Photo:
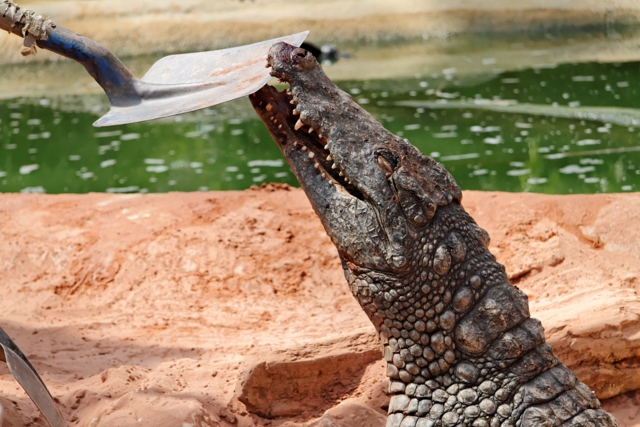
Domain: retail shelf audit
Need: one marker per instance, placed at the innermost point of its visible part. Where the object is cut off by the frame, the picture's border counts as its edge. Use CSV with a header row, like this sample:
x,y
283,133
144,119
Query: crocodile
x,y
460,345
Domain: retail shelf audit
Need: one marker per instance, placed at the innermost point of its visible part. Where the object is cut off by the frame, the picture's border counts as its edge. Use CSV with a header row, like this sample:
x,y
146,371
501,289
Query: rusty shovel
x,y
173,85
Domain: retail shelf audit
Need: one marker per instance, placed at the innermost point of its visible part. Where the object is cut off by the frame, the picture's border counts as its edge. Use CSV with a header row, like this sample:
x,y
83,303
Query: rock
x,y
279,386
350,414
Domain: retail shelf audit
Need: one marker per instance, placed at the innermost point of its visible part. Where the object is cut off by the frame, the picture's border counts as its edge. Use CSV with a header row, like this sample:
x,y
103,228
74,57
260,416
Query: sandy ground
x,y
147,25
229,308
135,27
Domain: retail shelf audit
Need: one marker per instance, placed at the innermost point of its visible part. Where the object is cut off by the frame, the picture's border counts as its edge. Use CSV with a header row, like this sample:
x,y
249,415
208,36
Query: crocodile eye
x,y
386,162
385,166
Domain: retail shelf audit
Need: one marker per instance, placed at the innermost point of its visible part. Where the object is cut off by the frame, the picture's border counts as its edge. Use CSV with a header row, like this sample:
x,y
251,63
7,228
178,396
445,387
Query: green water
x,y
55,151
568,128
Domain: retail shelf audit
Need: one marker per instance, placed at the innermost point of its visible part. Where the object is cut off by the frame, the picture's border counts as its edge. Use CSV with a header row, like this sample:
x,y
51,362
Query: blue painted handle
x,y
103,65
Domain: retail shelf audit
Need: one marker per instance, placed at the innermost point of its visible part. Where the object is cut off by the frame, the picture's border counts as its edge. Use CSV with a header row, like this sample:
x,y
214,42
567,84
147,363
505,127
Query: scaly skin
x,y
460,347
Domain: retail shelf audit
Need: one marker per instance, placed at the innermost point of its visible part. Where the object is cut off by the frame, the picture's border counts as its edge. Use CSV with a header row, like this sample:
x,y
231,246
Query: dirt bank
x,y
385,40
148,26
209,309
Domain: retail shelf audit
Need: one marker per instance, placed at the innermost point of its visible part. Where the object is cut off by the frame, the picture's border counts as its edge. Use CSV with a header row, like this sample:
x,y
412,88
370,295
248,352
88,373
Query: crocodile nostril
x,y
300,53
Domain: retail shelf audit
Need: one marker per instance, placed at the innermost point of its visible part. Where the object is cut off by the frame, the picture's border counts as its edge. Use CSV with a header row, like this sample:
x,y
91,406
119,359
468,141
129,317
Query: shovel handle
x,y
102,64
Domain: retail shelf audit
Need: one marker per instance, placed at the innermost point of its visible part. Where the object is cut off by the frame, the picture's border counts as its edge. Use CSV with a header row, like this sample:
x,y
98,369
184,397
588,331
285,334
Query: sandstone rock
x,y
350,414
283,385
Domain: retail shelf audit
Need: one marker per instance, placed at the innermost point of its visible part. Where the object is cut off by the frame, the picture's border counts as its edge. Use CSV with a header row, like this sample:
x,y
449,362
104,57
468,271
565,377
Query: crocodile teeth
x,y
295,143
279,126
296,112
329,158
324,175
298,125
269,107
341,174
333,166
316,165
275,122
292,102
272,118
311,130
304,148
311,155
326,147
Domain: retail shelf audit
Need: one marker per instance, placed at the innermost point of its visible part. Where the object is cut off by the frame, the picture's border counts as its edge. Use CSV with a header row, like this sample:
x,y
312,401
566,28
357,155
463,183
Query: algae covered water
x,y
542,127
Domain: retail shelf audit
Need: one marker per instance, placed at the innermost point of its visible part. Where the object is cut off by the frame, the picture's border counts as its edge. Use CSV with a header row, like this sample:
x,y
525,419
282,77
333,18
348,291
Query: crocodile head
x,y
372,190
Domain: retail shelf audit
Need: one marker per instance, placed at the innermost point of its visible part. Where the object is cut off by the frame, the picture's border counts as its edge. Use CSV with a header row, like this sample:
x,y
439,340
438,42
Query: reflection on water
x,y
571,128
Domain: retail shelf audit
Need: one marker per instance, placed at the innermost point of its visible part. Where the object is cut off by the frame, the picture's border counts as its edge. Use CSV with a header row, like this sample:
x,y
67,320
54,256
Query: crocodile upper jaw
x,y
361,239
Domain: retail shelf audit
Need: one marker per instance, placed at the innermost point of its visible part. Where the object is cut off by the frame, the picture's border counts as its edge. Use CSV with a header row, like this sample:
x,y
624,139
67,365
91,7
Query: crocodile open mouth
x,y
280,112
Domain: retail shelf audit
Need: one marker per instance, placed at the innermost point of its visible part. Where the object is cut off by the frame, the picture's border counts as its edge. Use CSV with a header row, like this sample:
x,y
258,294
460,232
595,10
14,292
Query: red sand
x,y
207,309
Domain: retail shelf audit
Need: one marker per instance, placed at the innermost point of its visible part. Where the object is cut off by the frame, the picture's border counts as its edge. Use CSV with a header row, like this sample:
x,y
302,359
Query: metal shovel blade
x,y
178,84
174,85
30,381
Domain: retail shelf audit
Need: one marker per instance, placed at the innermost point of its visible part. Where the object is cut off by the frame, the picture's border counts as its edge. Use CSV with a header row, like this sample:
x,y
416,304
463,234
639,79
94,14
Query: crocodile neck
x,y
456,335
